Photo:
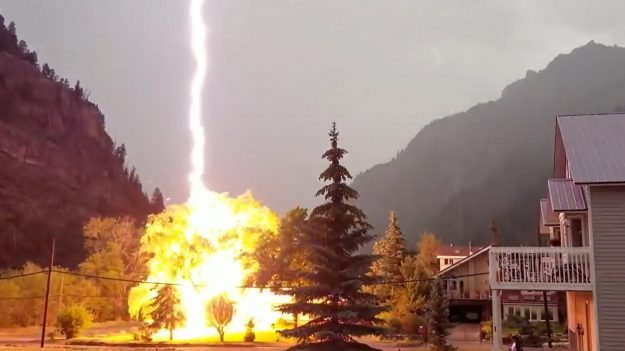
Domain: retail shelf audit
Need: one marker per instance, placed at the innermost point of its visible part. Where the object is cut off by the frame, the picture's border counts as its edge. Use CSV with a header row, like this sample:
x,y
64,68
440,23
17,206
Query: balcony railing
x,y
540,268
466,295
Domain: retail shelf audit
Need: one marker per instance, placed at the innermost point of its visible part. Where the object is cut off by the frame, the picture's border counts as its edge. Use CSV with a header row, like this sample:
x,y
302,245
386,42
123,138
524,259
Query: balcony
x,y
540,268
466,295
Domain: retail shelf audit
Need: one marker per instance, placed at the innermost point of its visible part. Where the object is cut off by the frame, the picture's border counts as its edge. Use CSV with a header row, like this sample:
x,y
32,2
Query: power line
x,y
423,280
119,279
21,275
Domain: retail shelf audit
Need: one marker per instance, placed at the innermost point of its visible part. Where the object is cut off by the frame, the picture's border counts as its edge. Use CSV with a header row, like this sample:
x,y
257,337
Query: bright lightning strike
x,y
198,47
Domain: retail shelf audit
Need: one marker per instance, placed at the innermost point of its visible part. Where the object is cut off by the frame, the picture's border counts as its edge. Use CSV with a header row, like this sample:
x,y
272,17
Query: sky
x,y
282,70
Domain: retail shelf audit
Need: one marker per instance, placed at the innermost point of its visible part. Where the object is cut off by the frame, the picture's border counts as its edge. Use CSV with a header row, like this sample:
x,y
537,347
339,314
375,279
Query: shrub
x,y
71,320
250,336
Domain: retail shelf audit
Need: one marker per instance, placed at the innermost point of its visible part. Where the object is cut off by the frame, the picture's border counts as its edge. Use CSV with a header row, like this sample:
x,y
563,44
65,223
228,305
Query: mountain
x,y
492,161
58,166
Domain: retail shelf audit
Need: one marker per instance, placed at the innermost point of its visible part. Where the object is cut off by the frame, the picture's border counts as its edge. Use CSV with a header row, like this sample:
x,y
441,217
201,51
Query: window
x,y
542,315
510,311
526,313
454,285
534,315
517,312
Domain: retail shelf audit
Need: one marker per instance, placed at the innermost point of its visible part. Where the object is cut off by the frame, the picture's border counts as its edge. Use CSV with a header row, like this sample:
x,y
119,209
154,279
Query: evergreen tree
x,y
438,318
23,47
120,153
78,90
12,30
45,69
165,311
334,301
390,251
157,203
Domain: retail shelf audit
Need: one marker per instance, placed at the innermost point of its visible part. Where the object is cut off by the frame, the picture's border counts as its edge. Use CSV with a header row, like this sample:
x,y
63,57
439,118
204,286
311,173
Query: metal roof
x,y
595,147
549,218
566,196
465,260
456,251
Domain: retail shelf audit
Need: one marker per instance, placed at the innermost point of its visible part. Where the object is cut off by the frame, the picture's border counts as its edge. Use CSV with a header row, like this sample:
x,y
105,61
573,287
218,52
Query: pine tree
x,y
12,30
157,203
390,251
165,311
438,318
120,153
334,301
78,90
45,69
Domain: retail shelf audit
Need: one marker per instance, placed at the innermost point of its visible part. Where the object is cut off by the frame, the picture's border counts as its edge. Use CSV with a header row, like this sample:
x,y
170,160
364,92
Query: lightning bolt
x,y
198,47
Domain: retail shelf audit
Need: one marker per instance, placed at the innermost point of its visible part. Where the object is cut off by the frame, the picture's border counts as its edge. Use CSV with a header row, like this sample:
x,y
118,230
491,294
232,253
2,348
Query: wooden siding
x,y
607,213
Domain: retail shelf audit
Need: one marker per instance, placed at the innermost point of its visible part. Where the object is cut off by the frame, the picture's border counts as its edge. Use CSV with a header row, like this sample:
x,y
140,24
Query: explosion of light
x,y
199,245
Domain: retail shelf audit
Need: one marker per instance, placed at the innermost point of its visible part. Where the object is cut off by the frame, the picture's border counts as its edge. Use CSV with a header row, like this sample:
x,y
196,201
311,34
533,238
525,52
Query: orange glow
x,y
199,245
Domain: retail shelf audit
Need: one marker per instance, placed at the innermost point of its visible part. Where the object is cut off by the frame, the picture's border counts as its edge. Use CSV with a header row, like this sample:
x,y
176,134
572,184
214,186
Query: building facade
x,y
584,217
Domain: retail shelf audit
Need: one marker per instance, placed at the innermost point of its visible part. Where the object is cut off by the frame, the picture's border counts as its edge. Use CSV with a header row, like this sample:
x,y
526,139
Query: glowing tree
x,y
334,301
220,312
166,313
390,252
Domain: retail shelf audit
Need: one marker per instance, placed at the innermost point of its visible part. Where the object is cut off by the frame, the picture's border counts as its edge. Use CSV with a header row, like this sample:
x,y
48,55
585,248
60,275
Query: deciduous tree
x,y
220,311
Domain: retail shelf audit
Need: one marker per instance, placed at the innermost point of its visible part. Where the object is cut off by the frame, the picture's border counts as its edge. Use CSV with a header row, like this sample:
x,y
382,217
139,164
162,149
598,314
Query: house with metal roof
x,y
584,216
447,255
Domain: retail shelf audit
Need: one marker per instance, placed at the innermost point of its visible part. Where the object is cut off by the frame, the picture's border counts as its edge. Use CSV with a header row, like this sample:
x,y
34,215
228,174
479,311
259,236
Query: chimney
x,y
470,248
495,239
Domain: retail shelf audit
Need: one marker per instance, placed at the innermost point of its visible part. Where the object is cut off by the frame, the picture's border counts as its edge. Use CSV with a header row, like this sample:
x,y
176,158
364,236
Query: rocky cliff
x,y
58,167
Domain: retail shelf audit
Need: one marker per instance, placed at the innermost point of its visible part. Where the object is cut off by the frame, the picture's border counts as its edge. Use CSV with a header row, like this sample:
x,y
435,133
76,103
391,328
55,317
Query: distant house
x,y
450,254
468,290
584,216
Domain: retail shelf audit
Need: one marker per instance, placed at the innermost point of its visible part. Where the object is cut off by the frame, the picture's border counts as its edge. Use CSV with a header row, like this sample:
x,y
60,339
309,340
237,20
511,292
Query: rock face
x,y
57,167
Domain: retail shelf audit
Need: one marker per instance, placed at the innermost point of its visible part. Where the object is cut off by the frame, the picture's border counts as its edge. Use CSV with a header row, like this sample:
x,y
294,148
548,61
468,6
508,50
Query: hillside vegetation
x,y
492,161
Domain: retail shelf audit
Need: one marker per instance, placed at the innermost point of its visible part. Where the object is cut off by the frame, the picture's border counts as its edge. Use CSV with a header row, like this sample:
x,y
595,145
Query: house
x,y
450,254
467,287
584,216
468,291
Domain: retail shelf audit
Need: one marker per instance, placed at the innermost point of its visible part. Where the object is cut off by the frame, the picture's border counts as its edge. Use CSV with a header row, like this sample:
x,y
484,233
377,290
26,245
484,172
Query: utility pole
x,y
545,303
45,308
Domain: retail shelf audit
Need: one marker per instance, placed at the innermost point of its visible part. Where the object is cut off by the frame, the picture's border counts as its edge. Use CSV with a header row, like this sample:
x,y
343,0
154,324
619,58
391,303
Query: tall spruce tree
x,y
338,309
438,318
166,311
390,251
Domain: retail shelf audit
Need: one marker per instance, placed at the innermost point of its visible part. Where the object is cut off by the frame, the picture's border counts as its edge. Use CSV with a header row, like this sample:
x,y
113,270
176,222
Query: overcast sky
x,y
281,71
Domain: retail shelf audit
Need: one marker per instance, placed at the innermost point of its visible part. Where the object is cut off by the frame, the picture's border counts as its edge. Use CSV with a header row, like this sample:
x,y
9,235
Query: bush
x,y
250,336
71,320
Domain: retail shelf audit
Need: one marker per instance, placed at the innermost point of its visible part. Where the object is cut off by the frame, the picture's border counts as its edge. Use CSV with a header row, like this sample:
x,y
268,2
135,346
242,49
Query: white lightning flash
x,y
198,47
